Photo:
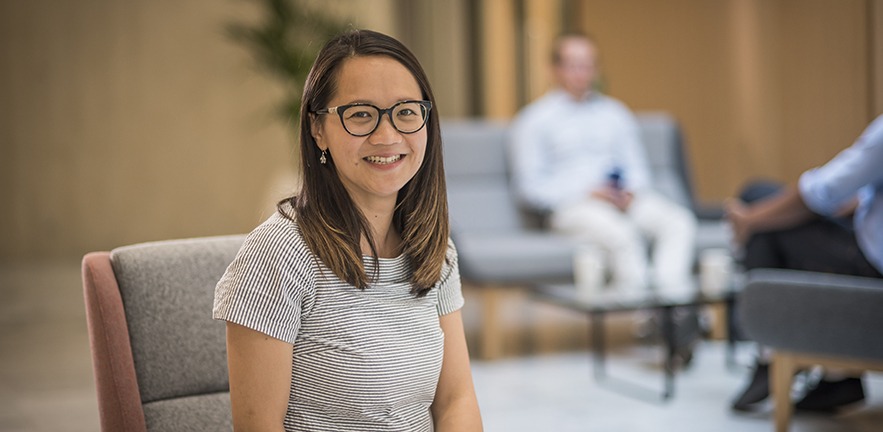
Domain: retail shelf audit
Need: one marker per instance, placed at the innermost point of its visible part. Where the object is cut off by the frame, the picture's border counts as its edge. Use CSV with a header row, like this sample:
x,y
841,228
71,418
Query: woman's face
x,y
376,166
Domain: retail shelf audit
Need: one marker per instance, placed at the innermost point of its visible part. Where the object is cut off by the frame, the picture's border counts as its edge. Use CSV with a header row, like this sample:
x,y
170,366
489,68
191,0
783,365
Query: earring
x,y
322,159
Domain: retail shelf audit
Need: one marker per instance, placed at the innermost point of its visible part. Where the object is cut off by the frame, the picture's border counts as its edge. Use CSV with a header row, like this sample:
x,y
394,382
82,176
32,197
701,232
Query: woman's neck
x,y
386,238
388,244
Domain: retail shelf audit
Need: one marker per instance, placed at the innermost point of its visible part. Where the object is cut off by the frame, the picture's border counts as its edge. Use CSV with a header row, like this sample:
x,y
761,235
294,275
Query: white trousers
x,y
650,219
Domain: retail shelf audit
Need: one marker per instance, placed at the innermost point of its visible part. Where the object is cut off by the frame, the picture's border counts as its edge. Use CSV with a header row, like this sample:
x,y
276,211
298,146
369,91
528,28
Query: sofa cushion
x,y
484,205
475,149
817,313
515,257
210,412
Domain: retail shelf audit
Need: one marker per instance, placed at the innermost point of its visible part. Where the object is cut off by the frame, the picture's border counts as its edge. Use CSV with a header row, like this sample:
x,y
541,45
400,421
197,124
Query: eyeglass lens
x,y
406,117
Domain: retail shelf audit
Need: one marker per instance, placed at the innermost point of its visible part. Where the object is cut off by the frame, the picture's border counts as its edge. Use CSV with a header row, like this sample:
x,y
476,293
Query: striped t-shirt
x,y
362,359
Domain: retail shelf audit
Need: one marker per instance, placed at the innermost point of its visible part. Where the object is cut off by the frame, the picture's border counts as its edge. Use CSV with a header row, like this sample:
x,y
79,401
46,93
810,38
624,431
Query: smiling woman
x,y
376,157
343,309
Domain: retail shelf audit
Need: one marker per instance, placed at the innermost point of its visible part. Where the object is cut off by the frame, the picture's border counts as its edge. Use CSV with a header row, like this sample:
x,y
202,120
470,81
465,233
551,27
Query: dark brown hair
x,y
329,221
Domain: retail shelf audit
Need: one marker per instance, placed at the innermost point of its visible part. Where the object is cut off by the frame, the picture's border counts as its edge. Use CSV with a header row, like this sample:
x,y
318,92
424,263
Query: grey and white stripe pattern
x,y
362,359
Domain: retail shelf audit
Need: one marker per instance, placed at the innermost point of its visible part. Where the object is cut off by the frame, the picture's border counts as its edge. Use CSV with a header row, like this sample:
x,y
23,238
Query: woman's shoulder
x,y
279,234
451,261
451,253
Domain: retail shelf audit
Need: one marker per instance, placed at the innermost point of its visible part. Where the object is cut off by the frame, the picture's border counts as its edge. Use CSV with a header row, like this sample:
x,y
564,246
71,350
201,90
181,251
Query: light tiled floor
x,y
557,392
46,378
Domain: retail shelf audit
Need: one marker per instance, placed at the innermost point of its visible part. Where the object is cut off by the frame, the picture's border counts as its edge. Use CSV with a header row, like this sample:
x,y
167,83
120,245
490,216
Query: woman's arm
x,y
260,379
455,407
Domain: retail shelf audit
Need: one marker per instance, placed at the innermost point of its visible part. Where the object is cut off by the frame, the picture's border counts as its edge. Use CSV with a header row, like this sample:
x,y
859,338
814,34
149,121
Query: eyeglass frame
x,y
427,105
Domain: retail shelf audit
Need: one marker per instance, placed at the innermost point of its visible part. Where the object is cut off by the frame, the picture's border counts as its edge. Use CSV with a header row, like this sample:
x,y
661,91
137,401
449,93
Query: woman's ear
x,y
316,131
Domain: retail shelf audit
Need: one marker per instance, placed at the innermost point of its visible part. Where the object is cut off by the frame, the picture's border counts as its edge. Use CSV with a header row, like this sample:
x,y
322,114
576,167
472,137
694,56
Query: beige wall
x,y
123,122
135,121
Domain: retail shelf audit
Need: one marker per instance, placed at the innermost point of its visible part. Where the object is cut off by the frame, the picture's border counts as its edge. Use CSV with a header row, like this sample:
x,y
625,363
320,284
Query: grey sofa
x,y
810,318
500,243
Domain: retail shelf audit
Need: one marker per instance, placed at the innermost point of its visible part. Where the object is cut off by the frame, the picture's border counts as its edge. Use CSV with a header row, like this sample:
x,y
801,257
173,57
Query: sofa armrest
x,y
816,313
708,211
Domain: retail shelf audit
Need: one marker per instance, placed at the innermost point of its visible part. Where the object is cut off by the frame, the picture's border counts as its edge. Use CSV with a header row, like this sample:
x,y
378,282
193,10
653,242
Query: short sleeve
x,y
450,292
268,287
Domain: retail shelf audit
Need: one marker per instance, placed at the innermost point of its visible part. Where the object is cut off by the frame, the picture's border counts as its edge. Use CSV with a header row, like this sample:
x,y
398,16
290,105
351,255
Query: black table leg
x,y
668,333
731,330
597,334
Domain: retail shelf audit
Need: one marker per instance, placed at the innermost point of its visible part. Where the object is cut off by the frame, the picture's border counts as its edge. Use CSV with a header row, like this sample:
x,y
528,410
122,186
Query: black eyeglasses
x,y
361,119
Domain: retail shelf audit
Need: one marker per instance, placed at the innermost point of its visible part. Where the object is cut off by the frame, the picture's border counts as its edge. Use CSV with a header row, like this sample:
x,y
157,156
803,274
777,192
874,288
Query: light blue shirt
x,y
562,148
855,172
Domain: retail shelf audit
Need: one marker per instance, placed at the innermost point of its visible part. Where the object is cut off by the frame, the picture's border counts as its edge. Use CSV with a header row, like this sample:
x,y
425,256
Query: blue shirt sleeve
x,y
826,189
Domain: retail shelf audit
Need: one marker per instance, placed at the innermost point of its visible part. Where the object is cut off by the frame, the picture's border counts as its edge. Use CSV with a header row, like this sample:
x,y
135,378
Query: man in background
x,y
832,222
576,155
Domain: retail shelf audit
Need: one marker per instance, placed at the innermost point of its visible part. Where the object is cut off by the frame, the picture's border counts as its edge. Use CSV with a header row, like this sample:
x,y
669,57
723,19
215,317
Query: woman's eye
x,y
360,114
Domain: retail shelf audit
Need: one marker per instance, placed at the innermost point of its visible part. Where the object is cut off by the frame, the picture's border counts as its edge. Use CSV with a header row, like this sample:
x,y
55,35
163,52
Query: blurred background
x,y
147,120
125,122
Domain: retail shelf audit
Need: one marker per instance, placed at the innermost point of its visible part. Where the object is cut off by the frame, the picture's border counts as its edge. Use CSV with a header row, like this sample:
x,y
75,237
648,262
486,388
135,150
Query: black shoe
x,y
830,396
758,389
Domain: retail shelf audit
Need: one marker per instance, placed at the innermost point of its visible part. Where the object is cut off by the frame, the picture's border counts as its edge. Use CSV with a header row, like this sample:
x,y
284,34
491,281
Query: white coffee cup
x,y
715,270
588,271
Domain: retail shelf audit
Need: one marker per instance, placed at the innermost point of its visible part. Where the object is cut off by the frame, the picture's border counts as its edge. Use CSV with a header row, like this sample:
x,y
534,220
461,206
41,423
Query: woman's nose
x,y
385,133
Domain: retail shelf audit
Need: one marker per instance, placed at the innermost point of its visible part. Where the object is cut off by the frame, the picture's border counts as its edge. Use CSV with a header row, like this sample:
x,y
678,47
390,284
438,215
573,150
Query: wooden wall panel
x,y
676,56
762,87
498,39
439,35
824,80
542,25
875,52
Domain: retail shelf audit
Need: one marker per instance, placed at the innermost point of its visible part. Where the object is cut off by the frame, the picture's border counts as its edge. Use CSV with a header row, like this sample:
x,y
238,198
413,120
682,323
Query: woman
x,y
342,308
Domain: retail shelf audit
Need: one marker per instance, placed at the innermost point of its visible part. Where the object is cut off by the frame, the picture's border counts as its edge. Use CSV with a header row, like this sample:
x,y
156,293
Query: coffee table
x,y
598,307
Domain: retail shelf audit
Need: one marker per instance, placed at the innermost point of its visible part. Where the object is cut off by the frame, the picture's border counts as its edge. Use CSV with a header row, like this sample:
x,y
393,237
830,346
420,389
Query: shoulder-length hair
x,y
330,222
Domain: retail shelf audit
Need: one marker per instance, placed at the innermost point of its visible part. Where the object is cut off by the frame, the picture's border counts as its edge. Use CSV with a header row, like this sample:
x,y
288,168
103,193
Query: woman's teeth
x,y
383,160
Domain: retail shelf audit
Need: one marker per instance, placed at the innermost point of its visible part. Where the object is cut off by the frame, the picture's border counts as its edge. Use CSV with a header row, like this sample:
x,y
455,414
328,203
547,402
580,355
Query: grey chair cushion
x,y
479,196
482,205
474,149
817,313
515,257
210,412
167,290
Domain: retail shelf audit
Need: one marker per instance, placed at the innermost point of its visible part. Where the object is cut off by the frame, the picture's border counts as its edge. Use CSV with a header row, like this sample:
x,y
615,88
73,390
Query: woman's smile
x,y
383,160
